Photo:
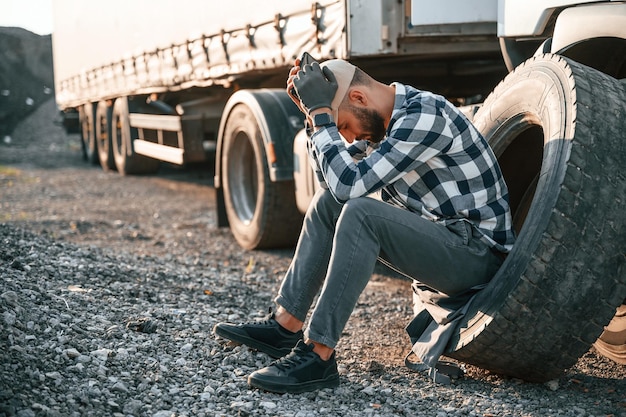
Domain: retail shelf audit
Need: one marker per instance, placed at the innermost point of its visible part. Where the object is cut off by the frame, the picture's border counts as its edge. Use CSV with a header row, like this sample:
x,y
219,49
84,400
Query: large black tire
x,y
261,213
557,128
122,134
104,114
88,133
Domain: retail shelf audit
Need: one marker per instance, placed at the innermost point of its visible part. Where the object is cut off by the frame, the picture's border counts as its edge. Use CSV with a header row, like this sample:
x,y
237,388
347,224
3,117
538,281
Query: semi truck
x,y
155,81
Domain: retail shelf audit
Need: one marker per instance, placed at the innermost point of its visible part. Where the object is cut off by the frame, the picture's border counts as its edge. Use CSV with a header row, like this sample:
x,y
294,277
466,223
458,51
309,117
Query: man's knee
x,y
324,201
359,206
323,207
356,210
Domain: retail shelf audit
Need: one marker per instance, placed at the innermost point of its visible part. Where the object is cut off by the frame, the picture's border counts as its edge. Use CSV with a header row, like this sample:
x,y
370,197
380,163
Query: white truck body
x,y
147,46
138,46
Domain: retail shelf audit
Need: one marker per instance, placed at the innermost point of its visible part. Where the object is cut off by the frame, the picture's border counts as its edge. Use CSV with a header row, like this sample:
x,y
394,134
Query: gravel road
x,y
111,287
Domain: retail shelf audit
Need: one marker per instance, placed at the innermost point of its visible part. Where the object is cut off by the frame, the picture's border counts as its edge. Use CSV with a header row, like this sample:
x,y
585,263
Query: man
x,y
443,217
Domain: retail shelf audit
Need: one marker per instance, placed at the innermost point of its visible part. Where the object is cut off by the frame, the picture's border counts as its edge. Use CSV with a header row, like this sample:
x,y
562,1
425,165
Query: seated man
x,y
443,217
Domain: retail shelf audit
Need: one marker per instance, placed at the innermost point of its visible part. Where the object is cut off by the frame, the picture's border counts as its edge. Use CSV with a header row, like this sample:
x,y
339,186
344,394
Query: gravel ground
x,y
111,287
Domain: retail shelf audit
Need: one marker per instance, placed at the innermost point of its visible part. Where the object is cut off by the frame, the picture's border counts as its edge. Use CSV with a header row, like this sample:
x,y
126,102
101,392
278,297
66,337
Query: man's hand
x,y
316,87
291,89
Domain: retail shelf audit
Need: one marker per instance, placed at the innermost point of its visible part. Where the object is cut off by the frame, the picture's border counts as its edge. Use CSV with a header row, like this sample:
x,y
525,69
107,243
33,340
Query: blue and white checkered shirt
x,y
432,161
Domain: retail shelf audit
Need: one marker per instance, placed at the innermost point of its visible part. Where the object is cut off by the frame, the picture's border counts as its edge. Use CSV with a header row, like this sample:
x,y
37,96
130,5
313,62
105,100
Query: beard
x,y
372,123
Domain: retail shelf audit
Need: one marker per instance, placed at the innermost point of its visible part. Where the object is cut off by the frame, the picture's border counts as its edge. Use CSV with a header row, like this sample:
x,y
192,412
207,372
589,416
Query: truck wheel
x,y
261,213
104,114
126,160
87,133
557,129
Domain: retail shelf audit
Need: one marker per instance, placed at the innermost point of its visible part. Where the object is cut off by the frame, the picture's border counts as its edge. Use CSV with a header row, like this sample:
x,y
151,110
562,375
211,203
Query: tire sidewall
x,y
515,108
120,137
87,133
127,161
104,114
242,123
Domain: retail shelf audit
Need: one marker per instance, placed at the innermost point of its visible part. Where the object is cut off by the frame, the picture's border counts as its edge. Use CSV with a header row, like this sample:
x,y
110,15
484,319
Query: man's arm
x,y
412,142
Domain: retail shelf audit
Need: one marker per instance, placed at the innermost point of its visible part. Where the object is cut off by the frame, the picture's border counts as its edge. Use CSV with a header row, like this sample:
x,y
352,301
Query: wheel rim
x,y
243,178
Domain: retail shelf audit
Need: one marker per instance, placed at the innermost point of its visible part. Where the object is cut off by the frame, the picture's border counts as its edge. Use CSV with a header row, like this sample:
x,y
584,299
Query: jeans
x,y
340,244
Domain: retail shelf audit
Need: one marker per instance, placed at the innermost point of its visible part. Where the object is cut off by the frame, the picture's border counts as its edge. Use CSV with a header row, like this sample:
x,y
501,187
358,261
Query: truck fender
x,y
577,24
279,120
592,35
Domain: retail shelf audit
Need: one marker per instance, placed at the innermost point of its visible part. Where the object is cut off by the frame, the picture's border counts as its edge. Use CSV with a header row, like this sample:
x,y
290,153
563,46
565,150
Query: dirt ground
x,y
49,189
46,187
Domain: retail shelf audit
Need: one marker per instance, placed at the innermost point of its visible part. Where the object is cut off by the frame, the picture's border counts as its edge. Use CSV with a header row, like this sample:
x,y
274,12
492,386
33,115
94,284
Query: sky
x,y
34,15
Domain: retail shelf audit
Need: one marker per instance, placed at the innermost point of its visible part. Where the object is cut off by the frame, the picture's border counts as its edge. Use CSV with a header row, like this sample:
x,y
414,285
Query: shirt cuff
x,y
325,136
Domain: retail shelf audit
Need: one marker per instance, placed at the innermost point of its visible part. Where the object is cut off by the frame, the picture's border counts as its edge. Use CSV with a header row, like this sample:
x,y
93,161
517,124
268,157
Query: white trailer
x,y
179,70
192,81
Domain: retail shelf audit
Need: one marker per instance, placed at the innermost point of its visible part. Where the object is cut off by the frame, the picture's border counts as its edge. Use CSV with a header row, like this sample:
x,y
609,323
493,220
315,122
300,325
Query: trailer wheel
x,y
104,113
557,129
261,213
122,134
87,133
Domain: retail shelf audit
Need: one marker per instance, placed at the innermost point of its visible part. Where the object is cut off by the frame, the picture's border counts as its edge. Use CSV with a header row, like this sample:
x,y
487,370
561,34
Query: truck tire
x,y
127,161
261,213
104,114
557,129
87,133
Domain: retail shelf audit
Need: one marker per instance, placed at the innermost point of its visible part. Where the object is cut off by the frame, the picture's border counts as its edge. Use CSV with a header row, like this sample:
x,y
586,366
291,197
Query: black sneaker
x,y
266,336
302,370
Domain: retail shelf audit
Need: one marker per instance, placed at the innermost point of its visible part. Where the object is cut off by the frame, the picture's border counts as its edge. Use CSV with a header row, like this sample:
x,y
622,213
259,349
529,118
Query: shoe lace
x,y
267,320
292,360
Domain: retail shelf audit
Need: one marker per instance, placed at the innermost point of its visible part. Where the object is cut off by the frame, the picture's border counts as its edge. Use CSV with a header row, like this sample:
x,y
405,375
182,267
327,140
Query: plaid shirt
x,y
432,161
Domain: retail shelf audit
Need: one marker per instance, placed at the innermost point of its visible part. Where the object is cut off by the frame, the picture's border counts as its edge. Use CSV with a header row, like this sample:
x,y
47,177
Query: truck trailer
x,y
156,81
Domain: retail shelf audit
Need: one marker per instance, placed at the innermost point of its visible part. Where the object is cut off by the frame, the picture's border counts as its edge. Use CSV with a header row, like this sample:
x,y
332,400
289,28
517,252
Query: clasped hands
x,y
315,86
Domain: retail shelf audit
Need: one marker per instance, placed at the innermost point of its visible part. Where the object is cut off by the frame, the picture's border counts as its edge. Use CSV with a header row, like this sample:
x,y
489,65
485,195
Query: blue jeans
x,y
339,246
